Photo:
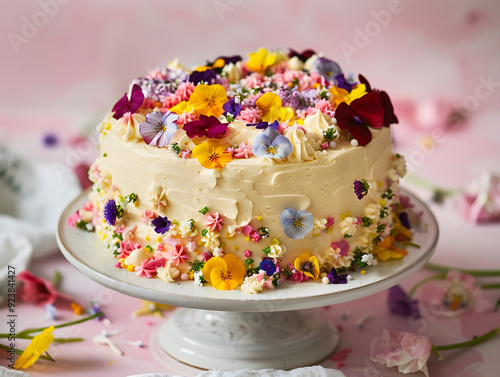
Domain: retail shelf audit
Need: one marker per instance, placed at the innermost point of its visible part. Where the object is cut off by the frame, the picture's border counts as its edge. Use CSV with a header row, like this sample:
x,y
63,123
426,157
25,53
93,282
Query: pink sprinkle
x,y
185,154
330,221
324,146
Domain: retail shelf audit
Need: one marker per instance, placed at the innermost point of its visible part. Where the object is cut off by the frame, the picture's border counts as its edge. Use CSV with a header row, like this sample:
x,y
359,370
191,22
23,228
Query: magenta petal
x,y
363,80
389,116
120,107
369,110
218,131
195,128
136,99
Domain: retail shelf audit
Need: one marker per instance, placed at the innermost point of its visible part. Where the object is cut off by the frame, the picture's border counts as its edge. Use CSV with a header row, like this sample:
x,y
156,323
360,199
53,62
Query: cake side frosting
x,y
213,183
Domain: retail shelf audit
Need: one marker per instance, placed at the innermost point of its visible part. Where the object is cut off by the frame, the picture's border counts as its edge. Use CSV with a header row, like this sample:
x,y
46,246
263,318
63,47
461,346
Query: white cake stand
x,y
231,330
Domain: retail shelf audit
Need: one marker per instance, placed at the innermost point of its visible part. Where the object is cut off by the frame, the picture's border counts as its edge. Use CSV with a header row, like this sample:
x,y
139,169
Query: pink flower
x,y
155,74
480,203
184,90
171,101
324,106
303,114
268,284
253,81
39,291
250,115
148,215
185,154
408,351
73,219
177,255
126,247
243,151
206,256
148,267
186,118
248,253
324,146
343,246
329,222
214,221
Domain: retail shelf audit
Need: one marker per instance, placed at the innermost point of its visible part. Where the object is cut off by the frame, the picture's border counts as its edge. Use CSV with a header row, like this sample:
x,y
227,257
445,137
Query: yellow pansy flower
x,y
182,107
272,108
224,273
208,99
260,60
39,344
211,155
339,95
307,264
357,92
385,249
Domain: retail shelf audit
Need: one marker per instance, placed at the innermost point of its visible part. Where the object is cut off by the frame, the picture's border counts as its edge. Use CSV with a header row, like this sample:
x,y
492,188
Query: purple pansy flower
x,y
268,266
124,105
341,82
162,224
297,224
403,217
206,126
263,125
400,304
232,107
158,129
326,68
209,76
335,278
110,212
271,144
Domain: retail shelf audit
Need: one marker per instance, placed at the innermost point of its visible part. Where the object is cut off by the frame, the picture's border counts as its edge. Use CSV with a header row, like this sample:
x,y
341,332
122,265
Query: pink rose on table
x,y
408,351
480,203
39,291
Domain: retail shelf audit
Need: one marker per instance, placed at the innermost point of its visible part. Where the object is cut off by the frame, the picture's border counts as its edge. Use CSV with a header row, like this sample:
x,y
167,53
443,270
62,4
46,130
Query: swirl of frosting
x,y
238,132
168,273
303,145
315,124
251,285
127,128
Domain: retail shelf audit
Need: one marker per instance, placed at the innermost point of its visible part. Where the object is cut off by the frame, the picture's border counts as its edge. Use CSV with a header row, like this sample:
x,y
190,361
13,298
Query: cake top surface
x,y
280,107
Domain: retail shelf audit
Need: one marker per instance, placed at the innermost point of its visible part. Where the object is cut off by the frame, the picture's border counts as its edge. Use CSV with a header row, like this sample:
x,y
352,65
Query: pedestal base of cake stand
x,y
240,340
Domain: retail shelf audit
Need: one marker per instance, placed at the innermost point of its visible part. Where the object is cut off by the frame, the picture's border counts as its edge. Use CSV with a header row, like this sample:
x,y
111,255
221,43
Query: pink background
x,y
429,56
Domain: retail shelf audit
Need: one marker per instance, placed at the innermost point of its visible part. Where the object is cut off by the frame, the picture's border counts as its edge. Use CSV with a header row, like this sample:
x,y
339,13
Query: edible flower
x,y
263,125
208,126
336,278
214,221
385,249
389,116
361,188
124,105
224,273
177,255
271,144
149,267
208,99
161,224
268,266
361,113
39,345
401,304
303,56
39,291
480,202
211,155
182,107
272,108
341,82
261,60
326,68
158,129
110,212
297,224
207,76
232,107
308,265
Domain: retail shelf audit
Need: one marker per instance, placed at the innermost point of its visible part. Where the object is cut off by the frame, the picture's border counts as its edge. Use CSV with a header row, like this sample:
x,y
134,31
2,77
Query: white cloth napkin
x,y
33,194
315,371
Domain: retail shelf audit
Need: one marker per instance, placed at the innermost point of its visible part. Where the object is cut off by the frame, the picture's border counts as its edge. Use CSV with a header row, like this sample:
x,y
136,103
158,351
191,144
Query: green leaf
x,y
203,211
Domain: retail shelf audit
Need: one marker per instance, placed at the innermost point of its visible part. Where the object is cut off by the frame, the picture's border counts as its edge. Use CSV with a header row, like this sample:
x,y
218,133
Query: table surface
x,y
450,51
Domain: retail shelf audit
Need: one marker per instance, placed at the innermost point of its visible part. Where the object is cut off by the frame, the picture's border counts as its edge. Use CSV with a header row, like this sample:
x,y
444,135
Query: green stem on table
x,y
56,340
29,331
19,352
430,186
473,342
438,268
423,281
490,286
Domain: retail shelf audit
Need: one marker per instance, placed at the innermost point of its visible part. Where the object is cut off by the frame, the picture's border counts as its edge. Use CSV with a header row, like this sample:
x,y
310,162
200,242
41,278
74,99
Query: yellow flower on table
x,y
224,273
272,108
385,249
212,155
308,265
39,344
208,99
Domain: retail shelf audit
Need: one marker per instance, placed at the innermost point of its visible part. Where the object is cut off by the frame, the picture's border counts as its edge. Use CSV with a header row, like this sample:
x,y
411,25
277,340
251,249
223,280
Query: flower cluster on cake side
x,y
275,108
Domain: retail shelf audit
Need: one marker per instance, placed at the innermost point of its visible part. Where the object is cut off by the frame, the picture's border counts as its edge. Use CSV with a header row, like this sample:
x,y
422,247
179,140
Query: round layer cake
x,y
278,168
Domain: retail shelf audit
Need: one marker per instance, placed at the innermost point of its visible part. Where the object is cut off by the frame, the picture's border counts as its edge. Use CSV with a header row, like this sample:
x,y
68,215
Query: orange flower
x,y
385,249
224,273
208,99
212,155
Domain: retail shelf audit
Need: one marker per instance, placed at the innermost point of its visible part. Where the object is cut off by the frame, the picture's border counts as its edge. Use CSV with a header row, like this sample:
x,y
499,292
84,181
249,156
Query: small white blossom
x,y
277,251
197,275
368,259
218,252
318,226
211,240
251,285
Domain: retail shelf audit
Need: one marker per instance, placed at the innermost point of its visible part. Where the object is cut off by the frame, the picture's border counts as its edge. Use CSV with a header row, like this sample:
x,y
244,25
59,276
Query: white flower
x,y
318,226
191,246
187,229
218,252
251,285
211,239
168,273
174,230
372,211
231,231
277,251
346,226
197,275
334,258
368,259
158,197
